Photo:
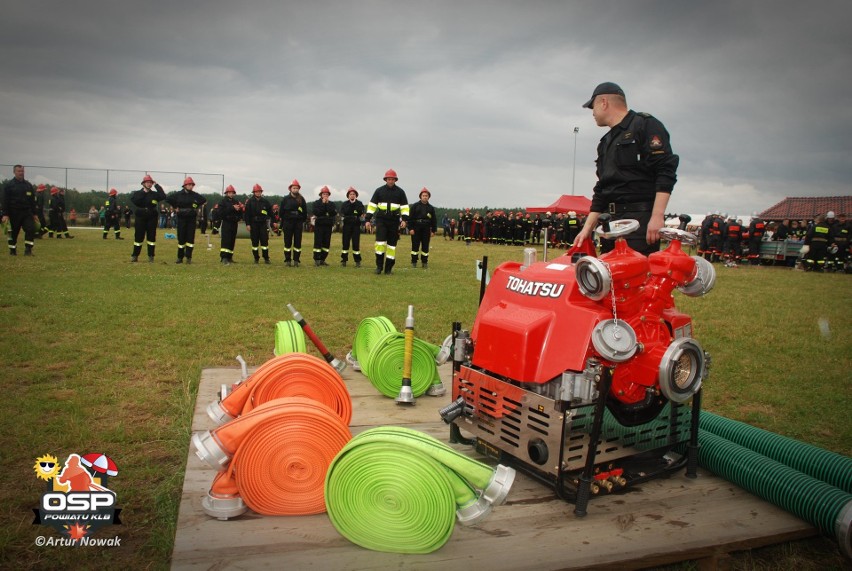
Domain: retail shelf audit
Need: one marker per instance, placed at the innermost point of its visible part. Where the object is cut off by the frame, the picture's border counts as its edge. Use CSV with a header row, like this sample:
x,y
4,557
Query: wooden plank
x,y
659,522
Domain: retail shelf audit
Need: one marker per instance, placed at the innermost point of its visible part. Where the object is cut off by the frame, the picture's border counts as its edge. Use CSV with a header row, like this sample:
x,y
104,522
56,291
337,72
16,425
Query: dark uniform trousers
x,y
19,219
186,234
145,228
420,241
259,236
351,236
322,239
292,239
228,230
636,240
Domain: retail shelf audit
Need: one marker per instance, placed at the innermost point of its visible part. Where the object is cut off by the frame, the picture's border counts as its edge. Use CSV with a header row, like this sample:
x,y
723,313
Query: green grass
x,y
104,355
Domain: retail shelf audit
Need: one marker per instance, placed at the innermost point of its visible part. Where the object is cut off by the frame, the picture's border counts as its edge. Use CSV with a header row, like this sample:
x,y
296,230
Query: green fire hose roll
x,y
289,338
816,462
384,364
368,331
397,490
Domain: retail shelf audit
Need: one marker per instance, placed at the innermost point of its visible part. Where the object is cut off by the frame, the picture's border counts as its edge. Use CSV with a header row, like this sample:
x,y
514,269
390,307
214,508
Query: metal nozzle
x,y
405,395
338,365
243,368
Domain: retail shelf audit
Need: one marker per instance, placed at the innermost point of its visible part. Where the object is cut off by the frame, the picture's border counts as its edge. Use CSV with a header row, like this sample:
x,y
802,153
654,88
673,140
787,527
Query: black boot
x,y
28,250
389,265
134,259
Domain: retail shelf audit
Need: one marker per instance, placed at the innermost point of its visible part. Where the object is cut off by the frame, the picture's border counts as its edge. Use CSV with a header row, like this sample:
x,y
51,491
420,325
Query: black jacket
x,y
325,212
422,215
146,201
388,204
18,195
186,202
293,208
257,210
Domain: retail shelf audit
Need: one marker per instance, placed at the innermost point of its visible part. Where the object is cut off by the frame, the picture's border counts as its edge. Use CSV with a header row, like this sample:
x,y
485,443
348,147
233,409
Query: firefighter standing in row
x,y
732,249
572,228
817,241
351,212
228,212
293,212
186,201
756,230
840,236
19,209
112,215
390,207
424,225
258,210
56,214
40,198
324,213
147,203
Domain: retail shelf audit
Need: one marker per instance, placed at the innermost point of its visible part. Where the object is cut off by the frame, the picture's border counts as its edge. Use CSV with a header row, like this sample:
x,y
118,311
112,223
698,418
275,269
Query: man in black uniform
x,y
112,215
351,211
186,202
19,209
324,213
228,212
293,212
572,228
424,224
257,213
840,236
56,213
390,207
146,202
636,170
732,248
756,230
817,240
40,210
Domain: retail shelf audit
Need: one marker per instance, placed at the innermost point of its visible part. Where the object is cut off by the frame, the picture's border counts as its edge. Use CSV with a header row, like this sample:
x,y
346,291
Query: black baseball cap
x,y
605,88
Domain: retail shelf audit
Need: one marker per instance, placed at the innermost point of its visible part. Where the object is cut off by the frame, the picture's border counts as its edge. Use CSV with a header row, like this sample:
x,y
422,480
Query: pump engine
x,y
580,370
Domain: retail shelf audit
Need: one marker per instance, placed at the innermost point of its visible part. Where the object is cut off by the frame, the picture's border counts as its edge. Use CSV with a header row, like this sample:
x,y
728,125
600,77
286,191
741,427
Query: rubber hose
x,y
384,365
280,465
816,462
289,338
291,375
813,500
397,490
368,331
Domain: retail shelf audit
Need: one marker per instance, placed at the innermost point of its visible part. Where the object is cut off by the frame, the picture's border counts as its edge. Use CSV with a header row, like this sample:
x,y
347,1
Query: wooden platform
x,y
660,522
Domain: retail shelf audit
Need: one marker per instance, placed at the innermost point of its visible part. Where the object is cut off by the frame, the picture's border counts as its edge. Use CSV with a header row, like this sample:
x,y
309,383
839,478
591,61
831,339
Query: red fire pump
x,y
582,350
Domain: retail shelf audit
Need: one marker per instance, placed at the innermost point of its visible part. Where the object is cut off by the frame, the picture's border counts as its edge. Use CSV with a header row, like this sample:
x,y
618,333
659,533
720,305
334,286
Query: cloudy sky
x,y
476,100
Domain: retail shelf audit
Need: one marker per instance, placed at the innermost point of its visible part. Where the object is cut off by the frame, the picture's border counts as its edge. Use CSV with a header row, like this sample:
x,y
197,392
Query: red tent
x,y
566,202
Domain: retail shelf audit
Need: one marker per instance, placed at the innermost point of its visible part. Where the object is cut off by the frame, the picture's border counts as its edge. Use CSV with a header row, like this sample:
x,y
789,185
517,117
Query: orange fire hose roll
x,y
290,375
282,451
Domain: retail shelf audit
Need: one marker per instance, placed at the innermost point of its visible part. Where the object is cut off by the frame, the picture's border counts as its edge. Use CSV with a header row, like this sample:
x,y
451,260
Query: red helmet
x,y
350,190
426,190
294,183
40,188
256,188
147,178
391,174
54,190
113,192
230,188
324,190
188,180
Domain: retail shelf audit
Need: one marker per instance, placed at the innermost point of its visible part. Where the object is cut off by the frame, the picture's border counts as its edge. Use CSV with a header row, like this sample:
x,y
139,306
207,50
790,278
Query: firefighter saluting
x,y
390,207
147,203
257,213
186,201
424,224
351,212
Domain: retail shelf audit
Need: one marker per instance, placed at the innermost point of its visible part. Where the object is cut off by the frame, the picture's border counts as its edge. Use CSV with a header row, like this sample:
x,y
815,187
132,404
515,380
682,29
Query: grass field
x,y
103,355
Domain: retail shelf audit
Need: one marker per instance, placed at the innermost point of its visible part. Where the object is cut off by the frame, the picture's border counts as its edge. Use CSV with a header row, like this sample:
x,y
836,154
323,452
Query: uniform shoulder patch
x,y
655,142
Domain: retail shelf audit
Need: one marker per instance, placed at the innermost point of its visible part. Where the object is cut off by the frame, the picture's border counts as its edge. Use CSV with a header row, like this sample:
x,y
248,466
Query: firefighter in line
x,y
258,211
186,202
324,213
424,225
816,245
56,214
572,228
147,203
756,230
40,199
840,236
293,212
19,209
112,215
732,248
351,212
390,207
228,212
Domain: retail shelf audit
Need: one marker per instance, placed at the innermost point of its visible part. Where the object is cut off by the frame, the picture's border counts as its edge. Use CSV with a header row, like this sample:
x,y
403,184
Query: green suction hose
x,y
823,505
398,490
289,338
383,365
816,462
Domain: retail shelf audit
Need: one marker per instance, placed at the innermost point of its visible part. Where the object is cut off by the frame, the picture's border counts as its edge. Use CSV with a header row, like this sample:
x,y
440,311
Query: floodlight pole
x,y
574,168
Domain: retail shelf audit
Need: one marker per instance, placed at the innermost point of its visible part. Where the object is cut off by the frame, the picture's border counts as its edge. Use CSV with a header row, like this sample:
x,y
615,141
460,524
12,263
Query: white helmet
x,y
830,215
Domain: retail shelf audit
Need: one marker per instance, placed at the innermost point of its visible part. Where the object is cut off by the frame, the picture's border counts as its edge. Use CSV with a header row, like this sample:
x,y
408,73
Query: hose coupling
x,y
474,512
209,451
218,414
446,349
353,362
453,410
498,488
223,508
